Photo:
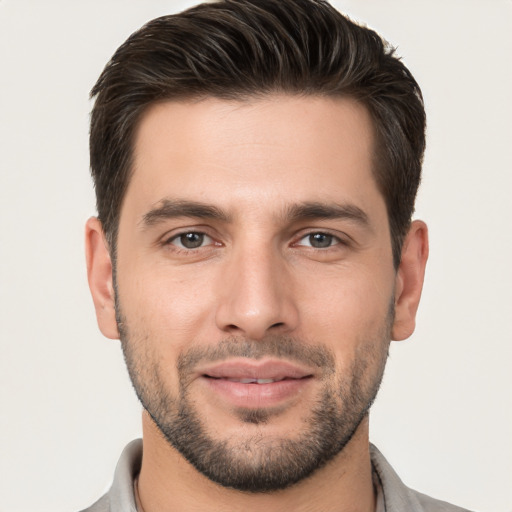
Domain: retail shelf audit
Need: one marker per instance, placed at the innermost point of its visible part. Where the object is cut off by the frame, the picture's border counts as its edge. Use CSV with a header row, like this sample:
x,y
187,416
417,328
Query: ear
x,y
99,275
409,280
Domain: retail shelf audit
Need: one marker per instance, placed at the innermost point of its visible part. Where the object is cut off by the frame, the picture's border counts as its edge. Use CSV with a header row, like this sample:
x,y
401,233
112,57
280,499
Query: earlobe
x,y
99,275
409,280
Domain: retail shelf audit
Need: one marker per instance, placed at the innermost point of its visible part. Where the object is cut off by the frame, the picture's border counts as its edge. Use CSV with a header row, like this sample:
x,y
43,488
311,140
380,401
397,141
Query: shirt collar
x,y
392,494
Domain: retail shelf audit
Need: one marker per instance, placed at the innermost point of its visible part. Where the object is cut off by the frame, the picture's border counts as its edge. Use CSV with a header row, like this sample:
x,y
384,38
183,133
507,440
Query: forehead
x,y
254,153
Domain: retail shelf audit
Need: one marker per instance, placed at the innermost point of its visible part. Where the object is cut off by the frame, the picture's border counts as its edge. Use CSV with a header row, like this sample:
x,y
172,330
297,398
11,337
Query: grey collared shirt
x,y
393,495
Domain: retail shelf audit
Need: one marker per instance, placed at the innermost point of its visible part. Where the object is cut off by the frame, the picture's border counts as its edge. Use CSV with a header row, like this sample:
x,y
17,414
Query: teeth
x,y
254,381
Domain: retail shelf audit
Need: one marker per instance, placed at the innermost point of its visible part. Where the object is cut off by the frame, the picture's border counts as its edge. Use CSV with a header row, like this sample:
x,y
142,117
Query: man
x,y
256,164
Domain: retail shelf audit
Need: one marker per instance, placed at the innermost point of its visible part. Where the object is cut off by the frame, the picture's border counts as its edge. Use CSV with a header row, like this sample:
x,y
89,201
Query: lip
x,y
223,379
241,368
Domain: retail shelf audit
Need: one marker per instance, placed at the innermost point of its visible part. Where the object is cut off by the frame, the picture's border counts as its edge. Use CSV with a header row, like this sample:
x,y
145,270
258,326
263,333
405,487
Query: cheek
x,y
161,319
347,301
349,312
171,308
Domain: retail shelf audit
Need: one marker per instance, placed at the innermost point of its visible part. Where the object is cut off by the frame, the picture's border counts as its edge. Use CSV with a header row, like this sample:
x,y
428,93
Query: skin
x,y
256,275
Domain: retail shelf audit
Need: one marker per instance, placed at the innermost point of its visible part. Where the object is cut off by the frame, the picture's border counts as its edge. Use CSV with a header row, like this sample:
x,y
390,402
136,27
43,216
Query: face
x,y
255,283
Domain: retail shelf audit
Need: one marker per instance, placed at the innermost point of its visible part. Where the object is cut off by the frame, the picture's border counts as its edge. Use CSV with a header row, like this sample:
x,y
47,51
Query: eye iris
x,y
192,240
320,240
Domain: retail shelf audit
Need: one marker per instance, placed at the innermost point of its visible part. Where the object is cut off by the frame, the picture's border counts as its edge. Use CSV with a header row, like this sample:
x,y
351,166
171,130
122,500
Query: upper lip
x,y
240,368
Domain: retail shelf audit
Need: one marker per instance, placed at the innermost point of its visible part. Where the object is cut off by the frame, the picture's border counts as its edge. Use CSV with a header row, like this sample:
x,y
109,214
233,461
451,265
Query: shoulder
x,y
429,504
400,498
120,497
102,505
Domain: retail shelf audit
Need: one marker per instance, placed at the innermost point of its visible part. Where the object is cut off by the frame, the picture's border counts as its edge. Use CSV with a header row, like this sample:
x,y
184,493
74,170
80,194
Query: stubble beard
x,y
258,463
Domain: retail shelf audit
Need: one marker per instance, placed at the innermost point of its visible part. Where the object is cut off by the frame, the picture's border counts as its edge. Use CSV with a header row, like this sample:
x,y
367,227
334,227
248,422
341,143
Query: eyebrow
x,y
169,209
175,208
317,210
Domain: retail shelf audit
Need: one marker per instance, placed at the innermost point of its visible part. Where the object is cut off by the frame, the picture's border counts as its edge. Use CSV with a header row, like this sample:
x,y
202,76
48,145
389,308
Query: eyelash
x,y
333,240
178,236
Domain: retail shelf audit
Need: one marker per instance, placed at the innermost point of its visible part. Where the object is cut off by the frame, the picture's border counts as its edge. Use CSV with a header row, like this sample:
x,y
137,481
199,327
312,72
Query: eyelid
x,y
173,234
207,240
339,238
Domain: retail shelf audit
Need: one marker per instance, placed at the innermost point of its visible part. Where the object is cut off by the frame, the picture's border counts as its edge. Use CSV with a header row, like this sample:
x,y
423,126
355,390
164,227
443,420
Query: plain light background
x,y
444,414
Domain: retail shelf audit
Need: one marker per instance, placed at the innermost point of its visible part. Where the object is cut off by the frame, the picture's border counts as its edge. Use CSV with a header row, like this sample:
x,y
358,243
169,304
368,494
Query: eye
x,y
319,240
191,240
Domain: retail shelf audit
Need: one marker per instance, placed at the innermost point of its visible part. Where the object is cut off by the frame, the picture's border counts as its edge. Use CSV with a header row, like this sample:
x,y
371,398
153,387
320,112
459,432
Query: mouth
x,y
250,371
256,384
252,380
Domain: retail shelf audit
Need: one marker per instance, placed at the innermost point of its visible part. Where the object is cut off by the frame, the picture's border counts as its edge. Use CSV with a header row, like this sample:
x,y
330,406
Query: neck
x,y
168,482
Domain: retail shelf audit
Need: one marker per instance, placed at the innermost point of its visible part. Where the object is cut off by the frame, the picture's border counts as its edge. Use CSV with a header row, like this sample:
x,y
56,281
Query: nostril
x,y
278,324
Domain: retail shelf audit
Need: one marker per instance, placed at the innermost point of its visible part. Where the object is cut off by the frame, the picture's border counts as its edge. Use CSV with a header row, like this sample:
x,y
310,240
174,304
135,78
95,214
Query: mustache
x,y
281,347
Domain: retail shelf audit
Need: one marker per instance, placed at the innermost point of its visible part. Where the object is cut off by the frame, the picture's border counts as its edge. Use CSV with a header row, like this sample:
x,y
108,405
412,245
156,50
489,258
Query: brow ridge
x,y
319,210
173,208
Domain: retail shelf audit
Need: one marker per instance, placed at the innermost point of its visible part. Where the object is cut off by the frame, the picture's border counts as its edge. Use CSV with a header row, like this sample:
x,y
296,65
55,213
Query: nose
x,y
256,295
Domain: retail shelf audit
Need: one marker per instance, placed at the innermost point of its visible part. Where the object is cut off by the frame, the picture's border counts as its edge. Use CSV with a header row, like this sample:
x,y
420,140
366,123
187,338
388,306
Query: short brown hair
x,y
235,49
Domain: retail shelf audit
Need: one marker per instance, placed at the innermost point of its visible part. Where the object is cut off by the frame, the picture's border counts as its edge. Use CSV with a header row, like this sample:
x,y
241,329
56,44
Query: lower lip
x,y
256,396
